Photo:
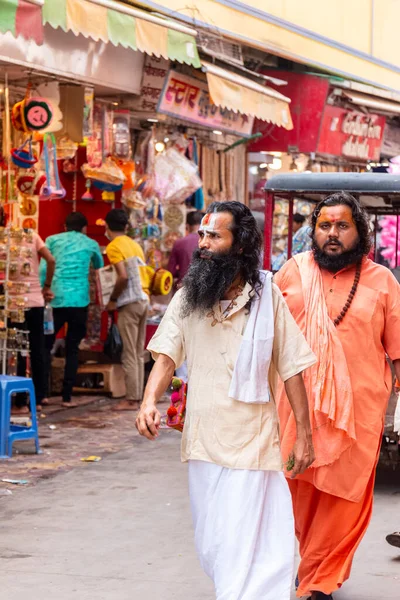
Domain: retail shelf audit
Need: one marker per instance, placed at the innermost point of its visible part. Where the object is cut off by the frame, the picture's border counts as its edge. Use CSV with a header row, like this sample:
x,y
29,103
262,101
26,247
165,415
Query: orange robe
x,y
342,492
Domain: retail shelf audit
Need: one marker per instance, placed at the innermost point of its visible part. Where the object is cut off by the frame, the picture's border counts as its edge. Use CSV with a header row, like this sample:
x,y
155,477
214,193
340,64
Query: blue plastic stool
x,y
10,433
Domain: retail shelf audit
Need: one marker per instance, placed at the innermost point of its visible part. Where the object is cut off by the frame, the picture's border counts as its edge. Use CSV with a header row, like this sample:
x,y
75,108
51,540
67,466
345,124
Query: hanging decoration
x,y
52,188
31,182
389,227
38,114
24,157
87,195
32,113
176,177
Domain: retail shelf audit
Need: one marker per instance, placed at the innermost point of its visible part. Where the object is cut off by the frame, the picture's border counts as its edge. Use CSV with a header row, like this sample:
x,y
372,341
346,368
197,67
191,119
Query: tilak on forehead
x,y
342,213
208,222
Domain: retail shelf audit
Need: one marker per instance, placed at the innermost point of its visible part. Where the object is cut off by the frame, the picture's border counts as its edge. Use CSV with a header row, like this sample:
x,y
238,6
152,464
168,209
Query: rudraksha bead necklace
x,y
350,298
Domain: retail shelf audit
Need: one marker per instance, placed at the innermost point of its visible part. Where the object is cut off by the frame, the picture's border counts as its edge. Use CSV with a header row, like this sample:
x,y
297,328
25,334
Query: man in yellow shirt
x,y
131,298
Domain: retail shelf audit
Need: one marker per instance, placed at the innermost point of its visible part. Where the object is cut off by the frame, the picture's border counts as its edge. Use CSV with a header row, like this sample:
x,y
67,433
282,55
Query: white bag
x,y
107,276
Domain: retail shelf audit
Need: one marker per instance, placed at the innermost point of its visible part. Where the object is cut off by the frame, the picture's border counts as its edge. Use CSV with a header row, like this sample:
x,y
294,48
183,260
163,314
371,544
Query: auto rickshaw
x,y
379,193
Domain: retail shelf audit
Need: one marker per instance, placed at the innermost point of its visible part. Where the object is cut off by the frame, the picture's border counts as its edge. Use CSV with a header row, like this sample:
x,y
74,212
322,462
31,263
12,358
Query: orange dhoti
x,y
348,392
329,530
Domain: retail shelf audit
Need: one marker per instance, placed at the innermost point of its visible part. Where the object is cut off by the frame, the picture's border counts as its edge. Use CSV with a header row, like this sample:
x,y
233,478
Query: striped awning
x,y
121,24
22,17
240,94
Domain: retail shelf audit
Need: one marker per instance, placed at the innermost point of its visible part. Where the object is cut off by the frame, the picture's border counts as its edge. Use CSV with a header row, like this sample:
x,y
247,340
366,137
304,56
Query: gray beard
x,y
207,281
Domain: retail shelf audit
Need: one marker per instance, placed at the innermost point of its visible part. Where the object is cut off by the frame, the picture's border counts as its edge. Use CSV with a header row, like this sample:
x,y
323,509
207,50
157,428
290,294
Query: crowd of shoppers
x,y
59,276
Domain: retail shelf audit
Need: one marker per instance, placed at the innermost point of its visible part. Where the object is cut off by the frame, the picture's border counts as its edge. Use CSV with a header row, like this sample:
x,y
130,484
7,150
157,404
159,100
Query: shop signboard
x,y
351,134
188,98
154,72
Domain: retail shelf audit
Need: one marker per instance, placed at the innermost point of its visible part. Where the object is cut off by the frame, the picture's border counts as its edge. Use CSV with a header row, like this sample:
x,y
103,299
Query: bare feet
x,y
69,404
127,405
20,410
45,402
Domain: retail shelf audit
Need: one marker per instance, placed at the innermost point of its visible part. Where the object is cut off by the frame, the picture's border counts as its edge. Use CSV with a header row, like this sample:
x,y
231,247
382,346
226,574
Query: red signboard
x,y
308,95
351,134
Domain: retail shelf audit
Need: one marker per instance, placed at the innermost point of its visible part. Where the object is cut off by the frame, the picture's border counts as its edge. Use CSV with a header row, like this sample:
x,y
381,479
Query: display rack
x,y
14,264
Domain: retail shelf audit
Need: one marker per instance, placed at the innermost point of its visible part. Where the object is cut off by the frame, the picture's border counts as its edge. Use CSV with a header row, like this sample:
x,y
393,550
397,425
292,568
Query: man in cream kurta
x,y
240,501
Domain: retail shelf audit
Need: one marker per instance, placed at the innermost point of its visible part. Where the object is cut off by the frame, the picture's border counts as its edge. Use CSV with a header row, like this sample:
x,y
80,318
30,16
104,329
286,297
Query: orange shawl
x,y
328,382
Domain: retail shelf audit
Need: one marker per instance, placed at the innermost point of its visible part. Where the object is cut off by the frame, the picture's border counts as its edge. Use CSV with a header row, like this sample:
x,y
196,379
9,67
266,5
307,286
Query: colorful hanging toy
x,y
161,282
31,182
177,410
389,229
31,113
52,188
24,157
87,195
38,114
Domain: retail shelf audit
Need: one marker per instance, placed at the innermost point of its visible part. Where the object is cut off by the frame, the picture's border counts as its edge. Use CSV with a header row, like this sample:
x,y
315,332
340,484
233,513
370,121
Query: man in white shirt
x,y
240,500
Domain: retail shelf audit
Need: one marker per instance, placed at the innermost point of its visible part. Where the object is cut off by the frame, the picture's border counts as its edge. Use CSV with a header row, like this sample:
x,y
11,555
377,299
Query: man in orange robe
x,y
348,307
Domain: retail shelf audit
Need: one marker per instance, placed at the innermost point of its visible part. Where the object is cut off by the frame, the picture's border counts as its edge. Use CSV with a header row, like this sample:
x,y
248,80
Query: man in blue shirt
x,y
74,253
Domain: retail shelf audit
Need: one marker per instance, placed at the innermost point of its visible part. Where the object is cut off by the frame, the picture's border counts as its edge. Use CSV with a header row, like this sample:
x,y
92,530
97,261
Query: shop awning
x,y
237,93
22,18
366,101
120,24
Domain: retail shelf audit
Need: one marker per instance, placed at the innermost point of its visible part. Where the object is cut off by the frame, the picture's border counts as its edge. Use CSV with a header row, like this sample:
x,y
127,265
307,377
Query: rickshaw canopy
x,y
374,190
379,193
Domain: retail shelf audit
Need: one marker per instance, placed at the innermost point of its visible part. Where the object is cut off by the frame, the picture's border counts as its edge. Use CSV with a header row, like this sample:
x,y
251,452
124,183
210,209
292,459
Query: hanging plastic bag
x,y
113,344
176,177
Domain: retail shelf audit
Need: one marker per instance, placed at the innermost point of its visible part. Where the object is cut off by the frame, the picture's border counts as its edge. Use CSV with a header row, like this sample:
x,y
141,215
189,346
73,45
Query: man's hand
x,y
148,421
302,455
111,306
47,294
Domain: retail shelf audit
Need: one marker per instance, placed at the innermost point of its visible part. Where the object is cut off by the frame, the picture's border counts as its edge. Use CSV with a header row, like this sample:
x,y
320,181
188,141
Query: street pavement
x,y
120,529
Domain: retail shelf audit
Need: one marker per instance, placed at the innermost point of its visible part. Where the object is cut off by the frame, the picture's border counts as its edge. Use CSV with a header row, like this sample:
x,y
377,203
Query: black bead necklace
x,y
350,298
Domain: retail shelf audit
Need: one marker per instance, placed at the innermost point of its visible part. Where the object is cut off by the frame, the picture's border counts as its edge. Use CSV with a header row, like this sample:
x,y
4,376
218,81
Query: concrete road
x,y
121,530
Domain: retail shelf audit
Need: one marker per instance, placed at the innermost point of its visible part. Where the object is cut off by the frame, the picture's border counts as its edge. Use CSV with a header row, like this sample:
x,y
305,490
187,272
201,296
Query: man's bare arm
x,y
148,419
303,450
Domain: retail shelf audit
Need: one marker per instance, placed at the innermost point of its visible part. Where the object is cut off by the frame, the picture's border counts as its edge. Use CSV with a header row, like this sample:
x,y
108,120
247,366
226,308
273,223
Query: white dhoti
x,y
244,531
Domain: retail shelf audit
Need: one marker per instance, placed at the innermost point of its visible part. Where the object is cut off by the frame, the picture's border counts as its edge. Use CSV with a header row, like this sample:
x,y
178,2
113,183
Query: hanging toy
x,y
53,188
177,409
161,283
31,182
28,207
18,114
87,195
22,157
38,113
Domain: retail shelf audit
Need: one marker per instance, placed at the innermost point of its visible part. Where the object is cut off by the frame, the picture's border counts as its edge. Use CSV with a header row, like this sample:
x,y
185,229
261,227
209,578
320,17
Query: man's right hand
x,y
148,421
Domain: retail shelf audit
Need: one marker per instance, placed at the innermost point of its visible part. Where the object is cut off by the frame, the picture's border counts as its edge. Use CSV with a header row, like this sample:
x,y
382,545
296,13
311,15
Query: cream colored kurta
x,y
218,429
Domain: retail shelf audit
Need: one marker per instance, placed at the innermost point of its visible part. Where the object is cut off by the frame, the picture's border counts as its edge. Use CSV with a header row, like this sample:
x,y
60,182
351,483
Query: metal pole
x,y
268,228
290,228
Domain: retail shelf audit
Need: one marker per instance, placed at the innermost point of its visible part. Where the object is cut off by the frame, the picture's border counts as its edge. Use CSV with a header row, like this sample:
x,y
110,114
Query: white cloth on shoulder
x,y
250,376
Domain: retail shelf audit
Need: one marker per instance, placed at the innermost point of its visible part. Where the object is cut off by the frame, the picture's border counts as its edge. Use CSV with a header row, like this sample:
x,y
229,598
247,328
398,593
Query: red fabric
x,y
28,22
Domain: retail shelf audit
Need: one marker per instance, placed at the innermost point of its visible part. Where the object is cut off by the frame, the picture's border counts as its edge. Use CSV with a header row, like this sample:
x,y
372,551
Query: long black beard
x,y
207,280
337,262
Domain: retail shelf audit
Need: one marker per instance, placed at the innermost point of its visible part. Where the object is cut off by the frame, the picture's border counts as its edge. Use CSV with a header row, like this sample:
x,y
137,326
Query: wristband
x,y
47,285
113,299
